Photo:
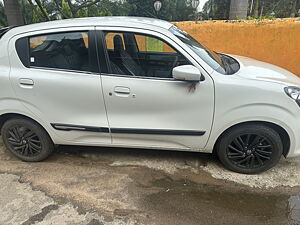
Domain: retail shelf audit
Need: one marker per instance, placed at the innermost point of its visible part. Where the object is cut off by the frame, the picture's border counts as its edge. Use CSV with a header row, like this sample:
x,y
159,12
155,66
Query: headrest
x,y
118,43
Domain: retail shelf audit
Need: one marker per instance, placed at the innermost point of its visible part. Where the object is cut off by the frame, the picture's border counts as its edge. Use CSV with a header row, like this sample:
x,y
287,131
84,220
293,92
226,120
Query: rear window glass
x,y
67,51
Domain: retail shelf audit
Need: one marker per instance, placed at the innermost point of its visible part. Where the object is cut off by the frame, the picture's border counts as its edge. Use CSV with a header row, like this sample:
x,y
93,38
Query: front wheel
x,y
26,139
250,149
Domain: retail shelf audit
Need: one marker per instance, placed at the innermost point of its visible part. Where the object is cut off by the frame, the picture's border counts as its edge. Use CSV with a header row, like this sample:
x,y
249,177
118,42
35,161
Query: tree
x,y
78,5
42,10
238,9
13,12
216,9
3,20
256,8
277,8
293,8
219,9
34,11
172,10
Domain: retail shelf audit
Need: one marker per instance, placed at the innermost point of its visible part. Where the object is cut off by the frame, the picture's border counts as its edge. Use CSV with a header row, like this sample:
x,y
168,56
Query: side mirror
x,y
187,73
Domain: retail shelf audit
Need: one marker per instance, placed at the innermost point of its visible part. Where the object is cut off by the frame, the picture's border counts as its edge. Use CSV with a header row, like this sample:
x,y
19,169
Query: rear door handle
x,y
122,90
26,82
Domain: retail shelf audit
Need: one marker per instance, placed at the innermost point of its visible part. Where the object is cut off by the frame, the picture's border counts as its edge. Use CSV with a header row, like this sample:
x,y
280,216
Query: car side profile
x,y
142,83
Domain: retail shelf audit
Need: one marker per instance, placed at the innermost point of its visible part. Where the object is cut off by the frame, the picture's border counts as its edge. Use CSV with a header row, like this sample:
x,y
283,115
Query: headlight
x,y
294,93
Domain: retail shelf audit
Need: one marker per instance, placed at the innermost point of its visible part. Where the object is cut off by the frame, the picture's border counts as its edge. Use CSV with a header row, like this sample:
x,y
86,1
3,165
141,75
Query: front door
x,y
60,85
146,107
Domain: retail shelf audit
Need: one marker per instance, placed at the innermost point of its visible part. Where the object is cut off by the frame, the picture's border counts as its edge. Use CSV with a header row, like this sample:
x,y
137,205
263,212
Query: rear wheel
x,y
250,149
26,139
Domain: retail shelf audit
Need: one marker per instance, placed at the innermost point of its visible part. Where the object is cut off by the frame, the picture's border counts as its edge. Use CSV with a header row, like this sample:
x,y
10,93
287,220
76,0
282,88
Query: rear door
x,y
55,75
146,107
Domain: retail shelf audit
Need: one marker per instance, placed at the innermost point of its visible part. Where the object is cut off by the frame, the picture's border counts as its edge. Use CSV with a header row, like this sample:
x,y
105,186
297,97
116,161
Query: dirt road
x,y
95,186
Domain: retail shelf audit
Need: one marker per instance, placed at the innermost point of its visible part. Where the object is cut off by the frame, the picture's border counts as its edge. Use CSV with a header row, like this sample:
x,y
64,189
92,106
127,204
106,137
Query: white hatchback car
x,y
142,83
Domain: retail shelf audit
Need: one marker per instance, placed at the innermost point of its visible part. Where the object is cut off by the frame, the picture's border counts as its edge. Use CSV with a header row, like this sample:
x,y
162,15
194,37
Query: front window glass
x,y
60,51
141,55
151,44
210,57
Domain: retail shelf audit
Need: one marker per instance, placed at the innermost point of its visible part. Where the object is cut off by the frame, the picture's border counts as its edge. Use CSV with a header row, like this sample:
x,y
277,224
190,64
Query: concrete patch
x,y
21,205
286,173
64,215
164,165
18,201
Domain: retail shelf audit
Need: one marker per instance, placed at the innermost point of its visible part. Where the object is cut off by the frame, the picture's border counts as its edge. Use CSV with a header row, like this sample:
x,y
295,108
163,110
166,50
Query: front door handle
x,y
122,90
26,82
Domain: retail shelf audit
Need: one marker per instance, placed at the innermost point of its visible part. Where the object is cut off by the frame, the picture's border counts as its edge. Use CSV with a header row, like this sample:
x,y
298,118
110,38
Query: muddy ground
x,y
96,186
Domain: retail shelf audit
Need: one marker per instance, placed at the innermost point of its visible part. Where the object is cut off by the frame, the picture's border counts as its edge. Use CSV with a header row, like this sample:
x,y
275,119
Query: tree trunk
x,y
238,9
294,8
255,15
13,12
261,11
251,8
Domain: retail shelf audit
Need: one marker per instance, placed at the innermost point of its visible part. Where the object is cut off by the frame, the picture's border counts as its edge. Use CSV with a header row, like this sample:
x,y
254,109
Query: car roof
x,y
113,21
4,30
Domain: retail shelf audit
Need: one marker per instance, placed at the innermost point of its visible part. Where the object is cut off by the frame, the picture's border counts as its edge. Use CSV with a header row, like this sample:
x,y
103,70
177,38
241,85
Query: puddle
x,y
191,203
168,200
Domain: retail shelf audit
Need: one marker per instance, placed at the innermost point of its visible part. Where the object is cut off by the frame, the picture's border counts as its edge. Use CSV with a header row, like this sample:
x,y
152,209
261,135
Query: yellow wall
x,y
273,41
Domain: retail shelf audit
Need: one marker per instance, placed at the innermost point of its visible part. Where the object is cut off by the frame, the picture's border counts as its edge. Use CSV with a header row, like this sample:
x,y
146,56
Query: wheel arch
x,y
7,116
285,138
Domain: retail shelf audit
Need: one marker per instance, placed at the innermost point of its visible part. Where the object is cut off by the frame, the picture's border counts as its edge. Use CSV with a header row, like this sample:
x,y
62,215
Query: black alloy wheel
x,y
26,139
250,149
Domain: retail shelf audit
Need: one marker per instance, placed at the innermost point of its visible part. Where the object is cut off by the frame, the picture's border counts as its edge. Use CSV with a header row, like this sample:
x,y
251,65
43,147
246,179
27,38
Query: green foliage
x,y
3,20
26,11
66,9
37,15
172,10
271,8
216,9
258,9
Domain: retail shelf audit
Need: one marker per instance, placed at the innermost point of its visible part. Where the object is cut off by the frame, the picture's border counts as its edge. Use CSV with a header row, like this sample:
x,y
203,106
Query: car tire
x,y
250,149
26,139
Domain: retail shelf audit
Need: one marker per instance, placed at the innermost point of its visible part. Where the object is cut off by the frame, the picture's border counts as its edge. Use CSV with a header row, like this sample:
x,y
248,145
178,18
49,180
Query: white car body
x,y
97,109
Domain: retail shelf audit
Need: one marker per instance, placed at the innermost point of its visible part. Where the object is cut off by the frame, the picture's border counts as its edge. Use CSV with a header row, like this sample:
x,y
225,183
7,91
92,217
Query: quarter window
x,y
67,51
141,55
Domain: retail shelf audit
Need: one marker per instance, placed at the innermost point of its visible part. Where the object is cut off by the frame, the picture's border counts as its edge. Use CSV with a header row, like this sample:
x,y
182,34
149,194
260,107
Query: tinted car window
x,y
67,51
141,55
150,44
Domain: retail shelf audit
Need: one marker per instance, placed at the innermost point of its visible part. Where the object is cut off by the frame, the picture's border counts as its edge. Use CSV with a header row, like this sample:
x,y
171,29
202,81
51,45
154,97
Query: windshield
x,y
210,57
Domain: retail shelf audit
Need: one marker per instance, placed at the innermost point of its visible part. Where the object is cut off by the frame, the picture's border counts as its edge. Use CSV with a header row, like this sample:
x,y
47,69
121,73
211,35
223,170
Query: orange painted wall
x,y
272,41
